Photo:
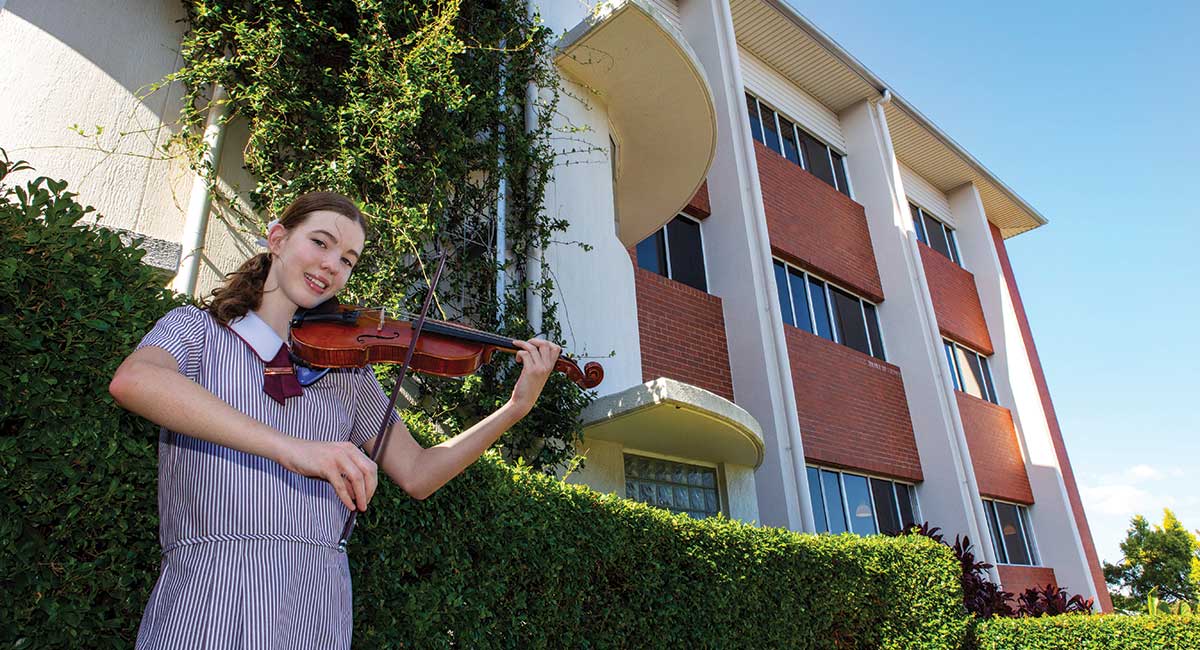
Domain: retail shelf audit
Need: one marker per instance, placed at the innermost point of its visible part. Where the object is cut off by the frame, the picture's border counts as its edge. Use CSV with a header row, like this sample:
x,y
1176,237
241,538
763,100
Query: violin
x,y
343,336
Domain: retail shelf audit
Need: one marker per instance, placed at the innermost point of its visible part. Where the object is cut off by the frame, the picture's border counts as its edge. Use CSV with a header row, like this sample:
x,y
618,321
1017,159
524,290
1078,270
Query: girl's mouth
x,y
316,284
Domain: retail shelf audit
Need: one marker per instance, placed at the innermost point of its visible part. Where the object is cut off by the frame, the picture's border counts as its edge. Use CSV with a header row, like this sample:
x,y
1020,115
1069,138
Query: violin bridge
x,y
382,317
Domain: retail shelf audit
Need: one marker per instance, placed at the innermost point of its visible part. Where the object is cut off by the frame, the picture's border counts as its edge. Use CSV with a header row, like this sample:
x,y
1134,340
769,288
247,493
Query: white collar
x,y
252,329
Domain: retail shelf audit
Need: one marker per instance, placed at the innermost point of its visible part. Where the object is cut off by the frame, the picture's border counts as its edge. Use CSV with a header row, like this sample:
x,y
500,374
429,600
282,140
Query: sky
x,y
1088,112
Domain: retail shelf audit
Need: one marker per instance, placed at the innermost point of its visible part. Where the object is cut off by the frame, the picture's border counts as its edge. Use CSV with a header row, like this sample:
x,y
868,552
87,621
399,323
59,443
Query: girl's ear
x,y
275,237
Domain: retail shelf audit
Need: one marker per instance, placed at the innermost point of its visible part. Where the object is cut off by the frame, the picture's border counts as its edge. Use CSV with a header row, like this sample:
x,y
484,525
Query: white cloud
x,y
1111,501
1143,473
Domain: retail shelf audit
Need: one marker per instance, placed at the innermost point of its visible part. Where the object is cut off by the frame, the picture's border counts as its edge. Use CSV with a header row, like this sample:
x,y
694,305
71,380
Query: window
x,y
970,371
678,487
676,251
820,308
1012,533
860,504
934,233
796,144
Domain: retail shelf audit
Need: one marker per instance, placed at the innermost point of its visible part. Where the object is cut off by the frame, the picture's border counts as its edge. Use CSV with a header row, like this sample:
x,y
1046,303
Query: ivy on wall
x,y
416,110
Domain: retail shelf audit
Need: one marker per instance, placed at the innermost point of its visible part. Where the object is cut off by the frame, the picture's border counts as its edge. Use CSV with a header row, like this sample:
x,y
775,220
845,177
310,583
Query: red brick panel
x,y
1016,579
852,408
955,301
816,227
1060,448
995,455
699,206
682,332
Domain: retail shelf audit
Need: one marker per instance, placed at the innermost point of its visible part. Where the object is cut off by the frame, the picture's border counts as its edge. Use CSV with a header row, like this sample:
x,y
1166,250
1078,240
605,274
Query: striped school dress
x,y
249,549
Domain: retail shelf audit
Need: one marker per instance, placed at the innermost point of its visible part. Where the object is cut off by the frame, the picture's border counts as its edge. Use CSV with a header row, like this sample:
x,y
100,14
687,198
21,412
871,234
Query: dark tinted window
x,y
820,308
949,347
839,171
873,331
800,301
885,506
770,135
953,246
918,223
937,236
969,372
791,149
652,254
858,501
987,381
781,286
816,154
904,497
833,501
755,125
852,331
1013,533
687,255
994,526
818,503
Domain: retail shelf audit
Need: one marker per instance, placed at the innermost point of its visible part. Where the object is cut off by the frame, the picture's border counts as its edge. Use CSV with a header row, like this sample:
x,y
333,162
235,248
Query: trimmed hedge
x,y
502,557
1111,632
78,516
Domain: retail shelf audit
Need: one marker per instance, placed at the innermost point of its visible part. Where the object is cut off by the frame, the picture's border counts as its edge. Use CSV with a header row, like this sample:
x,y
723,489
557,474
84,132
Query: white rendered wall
x,y
1055,530
90,63
740,273
87,63
773,88
948,494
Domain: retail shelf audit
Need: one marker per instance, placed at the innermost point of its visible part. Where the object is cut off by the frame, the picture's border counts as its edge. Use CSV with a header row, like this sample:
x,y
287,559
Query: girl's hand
x,y
352,474
537,358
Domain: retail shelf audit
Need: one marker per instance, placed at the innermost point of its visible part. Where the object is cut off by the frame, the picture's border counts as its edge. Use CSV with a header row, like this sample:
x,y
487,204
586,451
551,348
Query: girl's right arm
x,y
149,384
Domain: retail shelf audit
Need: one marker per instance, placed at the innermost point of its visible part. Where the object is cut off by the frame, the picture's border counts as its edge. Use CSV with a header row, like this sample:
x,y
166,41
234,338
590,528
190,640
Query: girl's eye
x,y
348,263
318,242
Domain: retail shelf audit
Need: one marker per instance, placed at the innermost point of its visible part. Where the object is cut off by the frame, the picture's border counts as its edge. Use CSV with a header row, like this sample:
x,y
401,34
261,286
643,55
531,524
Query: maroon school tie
x,y
279,378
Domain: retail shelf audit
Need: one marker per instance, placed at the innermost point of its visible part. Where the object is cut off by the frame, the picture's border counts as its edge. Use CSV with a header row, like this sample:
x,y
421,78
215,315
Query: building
x,y
806,291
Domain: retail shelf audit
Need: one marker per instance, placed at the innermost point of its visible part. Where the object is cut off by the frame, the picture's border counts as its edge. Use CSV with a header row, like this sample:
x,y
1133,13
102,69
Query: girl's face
x,y
313,260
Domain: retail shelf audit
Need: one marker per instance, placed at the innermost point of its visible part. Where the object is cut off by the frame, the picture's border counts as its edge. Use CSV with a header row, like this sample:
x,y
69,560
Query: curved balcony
x,y
660,106
669,417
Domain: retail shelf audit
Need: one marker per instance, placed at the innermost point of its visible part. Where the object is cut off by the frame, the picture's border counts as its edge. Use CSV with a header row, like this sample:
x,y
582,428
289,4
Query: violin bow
x,y
384,429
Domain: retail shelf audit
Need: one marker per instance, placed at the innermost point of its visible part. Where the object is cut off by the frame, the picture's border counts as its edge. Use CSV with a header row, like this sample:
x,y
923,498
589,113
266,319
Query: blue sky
x,y
1088,111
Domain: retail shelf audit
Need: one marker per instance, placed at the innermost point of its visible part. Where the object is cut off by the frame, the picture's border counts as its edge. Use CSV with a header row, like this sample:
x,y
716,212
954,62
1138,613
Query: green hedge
x,y
78,518
502,557
1069,632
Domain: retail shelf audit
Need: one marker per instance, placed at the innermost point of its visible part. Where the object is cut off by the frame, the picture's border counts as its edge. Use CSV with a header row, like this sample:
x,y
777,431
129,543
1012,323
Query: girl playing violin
x,y
256,472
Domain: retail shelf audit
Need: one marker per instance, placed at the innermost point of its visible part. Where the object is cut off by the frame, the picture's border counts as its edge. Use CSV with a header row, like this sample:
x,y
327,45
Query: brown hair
x,y
243,288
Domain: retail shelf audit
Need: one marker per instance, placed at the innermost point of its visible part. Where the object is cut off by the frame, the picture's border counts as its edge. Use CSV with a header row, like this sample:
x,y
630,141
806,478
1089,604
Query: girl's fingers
x,y
339,486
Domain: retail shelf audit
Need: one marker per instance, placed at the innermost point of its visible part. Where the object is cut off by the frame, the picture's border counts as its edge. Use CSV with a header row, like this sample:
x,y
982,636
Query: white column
x,y
1056,534
740,273
949,495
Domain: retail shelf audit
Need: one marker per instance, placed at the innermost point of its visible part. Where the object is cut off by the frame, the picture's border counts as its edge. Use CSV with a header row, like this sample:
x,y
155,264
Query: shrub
x,y
77,520
1110,632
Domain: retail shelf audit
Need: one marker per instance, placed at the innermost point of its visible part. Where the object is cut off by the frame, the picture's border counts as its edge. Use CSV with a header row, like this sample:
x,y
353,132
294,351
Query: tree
x,y
1164,560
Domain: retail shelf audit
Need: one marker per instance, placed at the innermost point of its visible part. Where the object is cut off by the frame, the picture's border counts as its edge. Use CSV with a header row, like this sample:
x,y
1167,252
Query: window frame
x,y
1028,539
835,334
670,274
986,383
923,234
805,163
845,502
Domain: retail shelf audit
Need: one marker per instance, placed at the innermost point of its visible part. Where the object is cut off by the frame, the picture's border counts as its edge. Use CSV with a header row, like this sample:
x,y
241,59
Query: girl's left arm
x,y
420,471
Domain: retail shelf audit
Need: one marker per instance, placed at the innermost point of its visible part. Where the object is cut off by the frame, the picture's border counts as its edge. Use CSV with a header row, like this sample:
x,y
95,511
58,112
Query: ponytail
x,y
242,291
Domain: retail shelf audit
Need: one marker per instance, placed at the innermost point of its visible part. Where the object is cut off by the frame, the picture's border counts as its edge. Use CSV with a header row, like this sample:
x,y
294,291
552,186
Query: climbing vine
x,y
415,108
